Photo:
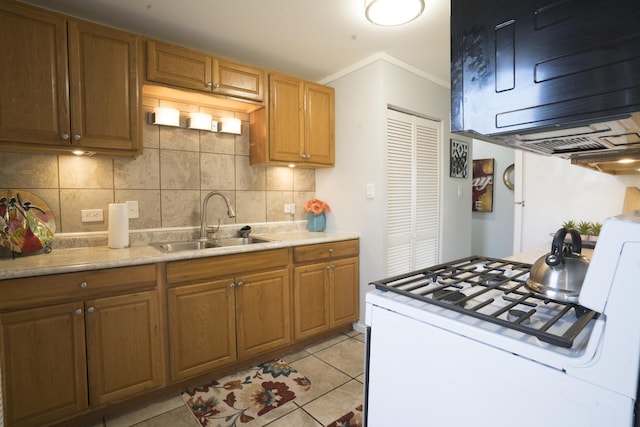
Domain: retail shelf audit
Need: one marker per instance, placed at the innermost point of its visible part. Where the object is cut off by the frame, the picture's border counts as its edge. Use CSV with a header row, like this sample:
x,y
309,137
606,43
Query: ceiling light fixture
x,y
392,12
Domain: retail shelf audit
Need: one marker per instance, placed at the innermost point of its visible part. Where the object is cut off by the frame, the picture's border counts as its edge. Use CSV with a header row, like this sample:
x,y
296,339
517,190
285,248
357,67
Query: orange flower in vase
x,y
316,220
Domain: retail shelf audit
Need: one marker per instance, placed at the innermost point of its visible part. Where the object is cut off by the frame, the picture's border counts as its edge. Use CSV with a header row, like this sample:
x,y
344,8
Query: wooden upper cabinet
x,y
298,125
66,84
103,78
319,120
190,69
34,98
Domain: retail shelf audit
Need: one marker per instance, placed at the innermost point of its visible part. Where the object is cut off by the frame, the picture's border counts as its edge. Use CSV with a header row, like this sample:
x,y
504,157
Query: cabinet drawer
x,y
38,290
189,271
325,251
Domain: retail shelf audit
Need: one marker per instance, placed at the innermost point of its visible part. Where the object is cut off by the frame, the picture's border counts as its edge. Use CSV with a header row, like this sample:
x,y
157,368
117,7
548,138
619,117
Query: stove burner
x,y
515,315
450,297
490,279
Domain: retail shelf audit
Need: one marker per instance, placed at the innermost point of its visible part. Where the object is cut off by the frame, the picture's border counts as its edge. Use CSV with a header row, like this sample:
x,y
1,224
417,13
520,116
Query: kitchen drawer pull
x,y
240,284
76,137
78,311
209,84
64,136
233,285
91,309
83,285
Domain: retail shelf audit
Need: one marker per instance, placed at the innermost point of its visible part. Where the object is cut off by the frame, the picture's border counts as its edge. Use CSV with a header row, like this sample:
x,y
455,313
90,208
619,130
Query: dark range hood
x,y
556,78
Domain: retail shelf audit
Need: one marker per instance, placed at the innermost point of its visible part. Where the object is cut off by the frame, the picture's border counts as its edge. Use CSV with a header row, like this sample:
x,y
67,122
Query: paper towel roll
x,y
118,225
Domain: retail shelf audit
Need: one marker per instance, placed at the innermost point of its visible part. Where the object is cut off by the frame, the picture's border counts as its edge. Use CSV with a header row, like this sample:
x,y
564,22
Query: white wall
x,y
555,191
492,232
362,97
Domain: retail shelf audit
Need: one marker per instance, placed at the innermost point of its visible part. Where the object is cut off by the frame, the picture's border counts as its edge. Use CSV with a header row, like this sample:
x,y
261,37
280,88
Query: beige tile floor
x,y
335,367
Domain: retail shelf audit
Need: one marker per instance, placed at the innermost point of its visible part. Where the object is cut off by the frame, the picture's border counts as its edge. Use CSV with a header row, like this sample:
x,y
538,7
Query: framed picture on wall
x,y
459,159
482,185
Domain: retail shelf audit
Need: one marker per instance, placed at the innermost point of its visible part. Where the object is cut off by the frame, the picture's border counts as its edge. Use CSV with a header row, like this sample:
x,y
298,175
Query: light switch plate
x,y
371,191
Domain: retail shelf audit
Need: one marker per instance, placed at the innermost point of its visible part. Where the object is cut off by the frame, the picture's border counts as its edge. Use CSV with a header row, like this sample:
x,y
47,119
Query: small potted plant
x,y
595,230
569,224
584,228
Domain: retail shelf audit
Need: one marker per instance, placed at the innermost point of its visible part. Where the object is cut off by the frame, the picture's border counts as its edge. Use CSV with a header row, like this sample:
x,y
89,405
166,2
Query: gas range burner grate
x,y
492,289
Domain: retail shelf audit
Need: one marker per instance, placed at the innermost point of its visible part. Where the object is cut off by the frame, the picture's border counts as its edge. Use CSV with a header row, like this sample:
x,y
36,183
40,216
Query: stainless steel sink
x,y
190,245
235,241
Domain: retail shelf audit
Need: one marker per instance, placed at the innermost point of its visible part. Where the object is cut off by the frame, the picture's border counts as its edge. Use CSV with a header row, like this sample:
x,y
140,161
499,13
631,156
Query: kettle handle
x,y
557,253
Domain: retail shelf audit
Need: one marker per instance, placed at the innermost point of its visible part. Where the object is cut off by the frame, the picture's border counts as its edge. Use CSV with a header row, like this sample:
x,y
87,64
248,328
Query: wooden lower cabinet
x,y
202,327
44,366
263,312
124,346
325,293
74,342
219,315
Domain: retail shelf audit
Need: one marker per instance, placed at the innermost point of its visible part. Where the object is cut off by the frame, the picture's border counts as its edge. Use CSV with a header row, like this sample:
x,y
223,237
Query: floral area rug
x,y
350,419
244,396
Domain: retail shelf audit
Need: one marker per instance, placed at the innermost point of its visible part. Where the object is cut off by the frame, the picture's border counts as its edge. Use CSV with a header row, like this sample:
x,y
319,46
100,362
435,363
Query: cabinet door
x,y
201,327
44,364
238,80
123,345
34,101
177,66
319,126
286,131
311,300
103,80
344,291
263,312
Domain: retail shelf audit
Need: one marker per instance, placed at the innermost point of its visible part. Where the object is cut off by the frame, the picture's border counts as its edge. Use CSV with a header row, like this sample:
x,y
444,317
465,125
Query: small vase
x,y
316,222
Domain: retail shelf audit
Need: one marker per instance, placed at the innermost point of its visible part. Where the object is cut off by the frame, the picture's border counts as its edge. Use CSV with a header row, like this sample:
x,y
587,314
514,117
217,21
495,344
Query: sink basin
x,y
190,245
235,241
185,246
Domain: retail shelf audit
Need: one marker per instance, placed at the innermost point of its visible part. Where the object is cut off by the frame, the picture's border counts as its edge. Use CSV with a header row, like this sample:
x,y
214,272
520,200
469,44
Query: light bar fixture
x,y
393,12
230,125
201,121
165,116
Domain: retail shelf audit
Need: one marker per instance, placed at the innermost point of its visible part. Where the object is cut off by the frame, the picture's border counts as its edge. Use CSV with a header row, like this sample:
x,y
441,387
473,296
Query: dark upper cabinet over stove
x,y
526,66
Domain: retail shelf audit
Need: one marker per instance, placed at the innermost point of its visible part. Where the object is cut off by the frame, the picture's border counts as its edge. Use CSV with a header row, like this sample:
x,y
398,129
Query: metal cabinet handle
x,y
78,311
233,285
83,285
76,137
91,309
209,84
240,284
64,136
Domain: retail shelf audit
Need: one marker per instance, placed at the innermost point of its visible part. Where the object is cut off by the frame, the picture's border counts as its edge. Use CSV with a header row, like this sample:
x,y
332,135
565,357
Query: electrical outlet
x,y
290,208
133,209
92,215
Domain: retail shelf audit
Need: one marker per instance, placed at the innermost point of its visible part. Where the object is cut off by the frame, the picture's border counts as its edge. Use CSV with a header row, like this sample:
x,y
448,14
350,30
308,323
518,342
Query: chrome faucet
x,y
203,226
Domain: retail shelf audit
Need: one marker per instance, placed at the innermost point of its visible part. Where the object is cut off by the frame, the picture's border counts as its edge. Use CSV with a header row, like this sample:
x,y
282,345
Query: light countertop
x,y
99,257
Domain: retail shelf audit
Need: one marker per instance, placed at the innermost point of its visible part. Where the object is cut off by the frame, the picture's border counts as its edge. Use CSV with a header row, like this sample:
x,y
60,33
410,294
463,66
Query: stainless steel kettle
x,y
559,274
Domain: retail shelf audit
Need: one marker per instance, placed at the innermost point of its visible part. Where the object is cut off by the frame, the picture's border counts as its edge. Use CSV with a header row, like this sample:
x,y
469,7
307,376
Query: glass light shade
x,y
200,121
231,125
393,12
166,116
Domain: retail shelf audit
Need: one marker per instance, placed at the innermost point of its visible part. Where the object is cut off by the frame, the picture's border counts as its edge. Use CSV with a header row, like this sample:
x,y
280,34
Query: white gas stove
x,y
466,343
